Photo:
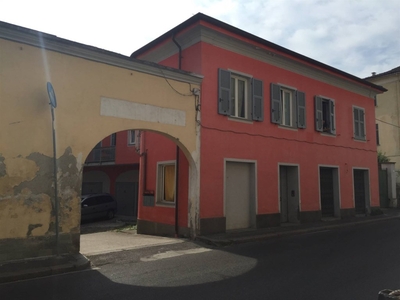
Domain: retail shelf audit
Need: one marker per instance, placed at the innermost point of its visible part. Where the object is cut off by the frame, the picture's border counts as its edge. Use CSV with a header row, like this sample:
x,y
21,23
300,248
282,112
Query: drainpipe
x,y
180,51
177,155
176,192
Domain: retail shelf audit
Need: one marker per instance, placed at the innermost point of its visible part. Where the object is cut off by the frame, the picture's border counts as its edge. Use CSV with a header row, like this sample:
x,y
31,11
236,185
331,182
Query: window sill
x,y
165,204
359,140
328,134
236,119
288,128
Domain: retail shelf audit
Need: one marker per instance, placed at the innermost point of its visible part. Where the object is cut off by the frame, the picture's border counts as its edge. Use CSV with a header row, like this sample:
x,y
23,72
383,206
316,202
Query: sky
x,y
355,36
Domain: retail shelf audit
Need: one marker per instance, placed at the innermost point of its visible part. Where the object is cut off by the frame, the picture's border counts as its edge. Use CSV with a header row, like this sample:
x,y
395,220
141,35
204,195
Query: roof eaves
x,y
203,17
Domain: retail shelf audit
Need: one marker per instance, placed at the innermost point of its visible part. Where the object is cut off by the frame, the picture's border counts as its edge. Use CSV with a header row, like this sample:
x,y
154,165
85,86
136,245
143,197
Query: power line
x,y
388,123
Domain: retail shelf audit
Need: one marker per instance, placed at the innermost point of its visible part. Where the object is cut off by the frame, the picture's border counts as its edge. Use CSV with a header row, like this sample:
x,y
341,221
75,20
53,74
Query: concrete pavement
x,y
114,238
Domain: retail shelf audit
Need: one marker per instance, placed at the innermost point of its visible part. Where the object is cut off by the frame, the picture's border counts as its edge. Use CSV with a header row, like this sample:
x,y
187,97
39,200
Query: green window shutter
x,y
224,92
276,105
318,114
332,116
301,109
258,99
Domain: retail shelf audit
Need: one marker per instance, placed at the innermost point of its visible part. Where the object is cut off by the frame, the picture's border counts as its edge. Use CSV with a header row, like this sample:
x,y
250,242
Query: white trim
x,y
287,87
241,73
130,133
157,201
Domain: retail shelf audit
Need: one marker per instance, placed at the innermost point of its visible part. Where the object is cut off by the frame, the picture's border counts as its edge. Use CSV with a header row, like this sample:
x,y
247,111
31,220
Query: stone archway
x,y
98,93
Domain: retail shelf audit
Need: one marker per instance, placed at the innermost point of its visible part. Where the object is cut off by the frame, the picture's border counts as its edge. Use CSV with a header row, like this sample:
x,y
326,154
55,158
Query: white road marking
x,y
170,254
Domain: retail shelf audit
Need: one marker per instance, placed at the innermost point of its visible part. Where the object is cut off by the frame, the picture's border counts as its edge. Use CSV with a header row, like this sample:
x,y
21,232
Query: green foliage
x,y
382,158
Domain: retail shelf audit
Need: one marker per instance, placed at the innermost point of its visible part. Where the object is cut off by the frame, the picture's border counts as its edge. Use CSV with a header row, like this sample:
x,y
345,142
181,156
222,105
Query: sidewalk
x,y
249,235
45,266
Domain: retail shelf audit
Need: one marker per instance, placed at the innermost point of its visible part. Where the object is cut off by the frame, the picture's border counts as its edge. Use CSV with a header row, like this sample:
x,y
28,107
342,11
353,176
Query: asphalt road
x,y
355,262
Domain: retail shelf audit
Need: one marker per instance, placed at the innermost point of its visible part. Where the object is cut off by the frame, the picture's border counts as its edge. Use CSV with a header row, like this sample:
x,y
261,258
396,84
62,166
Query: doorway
x,y
361,191
289,194
329,192
239,195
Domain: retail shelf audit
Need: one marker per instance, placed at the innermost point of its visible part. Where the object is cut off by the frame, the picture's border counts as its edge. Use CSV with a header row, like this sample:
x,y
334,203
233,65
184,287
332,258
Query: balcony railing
x,y
101,155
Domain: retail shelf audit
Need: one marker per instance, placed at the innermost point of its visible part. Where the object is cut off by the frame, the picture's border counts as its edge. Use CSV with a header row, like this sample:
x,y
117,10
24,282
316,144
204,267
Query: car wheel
x,y
110,214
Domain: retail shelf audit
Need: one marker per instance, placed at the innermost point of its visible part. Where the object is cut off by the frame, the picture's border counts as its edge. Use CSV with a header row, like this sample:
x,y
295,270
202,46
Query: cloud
x,y
356,36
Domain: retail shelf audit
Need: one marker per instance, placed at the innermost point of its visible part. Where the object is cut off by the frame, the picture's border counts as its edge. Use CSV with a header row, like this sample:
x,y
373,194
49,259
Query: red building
x,y
284,138
113,167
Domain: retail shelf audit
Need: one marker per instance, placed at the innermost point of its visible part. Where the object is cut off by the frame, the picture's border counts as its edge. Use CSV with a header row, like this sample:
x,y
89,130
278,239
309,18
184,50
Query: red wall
x,y
160,148
269,144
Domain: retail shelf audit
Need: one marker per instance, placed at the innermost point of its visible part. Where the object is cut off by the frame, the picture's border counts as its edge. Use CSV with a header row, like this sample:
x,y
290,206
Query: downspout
x,y
176,193
177,153
180,52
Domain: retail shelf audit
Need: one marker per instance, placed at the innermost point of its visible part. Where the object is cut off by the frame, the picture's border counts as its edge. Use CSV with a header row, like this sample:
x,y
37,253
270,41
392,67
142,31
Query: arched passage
x,y
98,93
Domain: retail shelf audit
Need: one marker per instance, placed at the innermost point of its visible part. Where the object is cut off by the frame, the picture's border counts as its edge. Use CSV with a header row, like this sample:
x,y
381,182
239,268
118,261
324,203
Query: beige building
x,y
97,93
387,114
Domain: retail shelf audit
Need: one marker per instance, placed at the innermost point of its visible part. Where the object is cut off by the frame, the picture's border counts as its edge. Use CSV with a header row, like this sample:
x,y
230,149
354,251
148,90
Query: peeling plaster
x,y
2,166
27,195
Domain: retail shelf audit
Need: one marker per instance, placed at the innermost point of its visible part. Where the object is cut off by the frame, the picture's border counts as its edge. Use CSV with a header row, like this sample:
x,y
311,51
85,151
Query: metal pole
x,y
55,180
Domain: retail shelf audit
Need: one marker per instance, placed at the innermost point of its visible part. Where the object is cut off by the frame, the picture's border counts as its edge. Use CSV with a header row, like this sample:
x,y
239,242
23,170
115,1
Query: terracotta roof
x,y
202,17
392,71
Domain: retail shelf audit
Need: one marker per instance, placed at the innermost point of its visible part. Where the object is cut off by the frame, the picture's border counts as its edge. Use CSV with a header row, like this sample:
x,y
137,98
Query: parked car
x,y
95,206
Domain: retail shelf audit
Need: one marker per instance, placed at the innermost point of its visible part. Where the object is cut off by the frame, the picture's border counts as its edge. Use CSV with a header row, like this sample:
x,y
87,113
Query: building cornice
x,y
254,40
201,33
53,43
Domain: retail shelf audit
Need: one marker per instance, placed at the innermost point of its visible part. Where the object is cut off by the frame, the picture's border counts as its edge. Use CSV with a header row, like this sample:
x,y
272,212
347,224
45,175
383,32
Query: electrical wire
x,y
175,90
388,123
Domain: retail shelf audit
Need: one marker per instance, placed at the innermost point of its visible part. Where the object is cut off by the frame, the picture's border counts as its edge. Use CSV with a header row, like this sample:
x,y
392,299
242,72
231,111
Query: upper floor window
x,y
359,124
113,139
240,96
325,115
288,106
131,137
377,133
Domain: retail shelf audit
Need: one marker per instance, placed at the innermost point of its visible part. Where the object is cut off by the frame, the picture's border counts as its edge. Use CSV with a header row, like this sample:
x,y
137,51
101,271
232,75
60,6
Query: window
x,y
288,106
166,183
377,133
239,106
240,96
359,124
113,139
131,137
325,115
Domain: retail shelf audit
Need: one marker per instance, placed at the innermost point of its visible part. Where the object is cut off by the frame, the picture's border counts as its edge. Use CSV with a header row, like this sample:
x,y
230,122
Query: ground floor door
x,y
126,194
239,195
360,191
329,191
289,193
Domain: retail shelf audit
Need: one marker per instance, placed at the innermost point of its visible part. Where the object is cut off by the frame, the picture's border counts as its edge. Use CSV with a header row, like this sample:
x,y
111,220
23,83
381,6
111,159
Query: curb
x,y
22,271
270,235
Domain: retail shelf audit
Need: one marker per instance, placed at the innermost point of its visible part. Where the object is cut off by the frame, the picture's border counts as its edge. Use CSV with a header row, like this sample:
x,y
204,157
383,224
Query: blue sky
x,y
355,36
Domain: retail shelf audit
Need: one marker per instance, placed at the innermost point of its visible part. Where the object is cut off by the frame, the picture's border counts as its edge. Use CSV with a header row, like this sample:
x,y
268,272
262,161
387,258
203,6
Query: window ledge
x,y
288,128
328,134
165,204
230,118
359,140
